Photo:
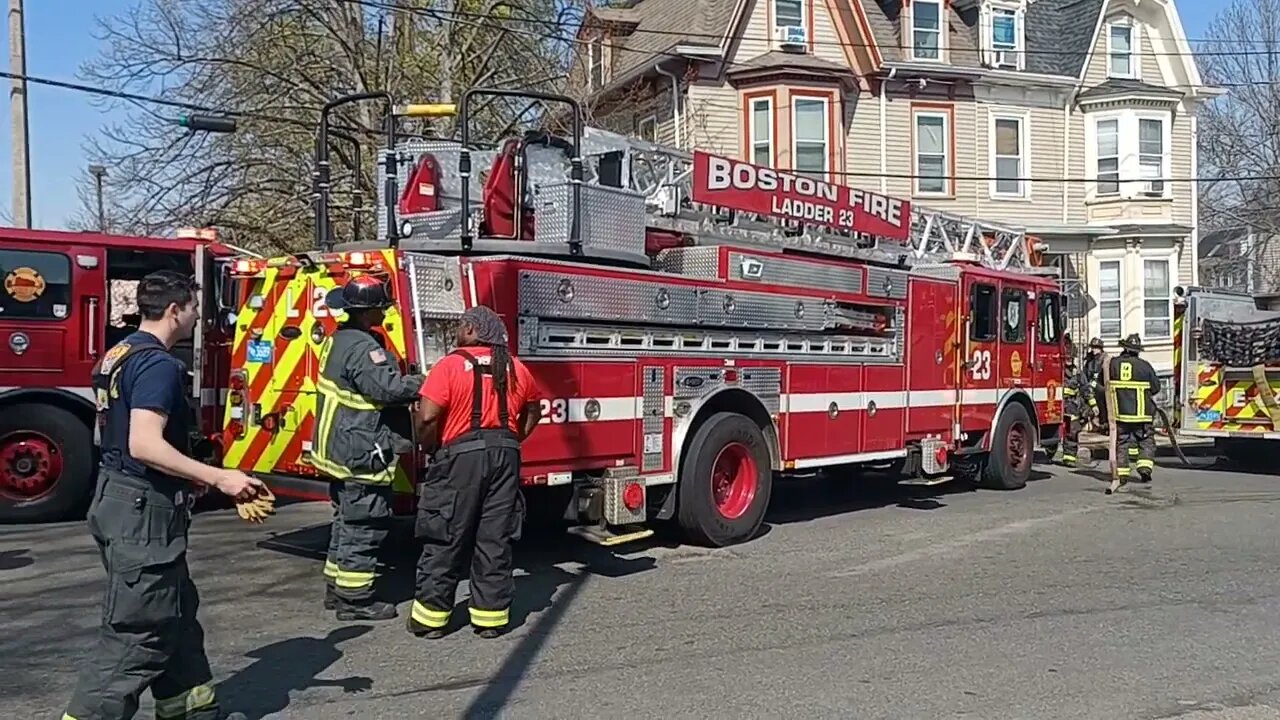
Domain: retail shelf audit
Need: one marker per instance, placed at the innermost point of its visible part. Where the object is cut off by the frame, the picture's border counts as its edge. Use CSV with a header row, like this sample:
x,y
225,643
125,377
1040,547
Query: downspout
x,y
1195,200
1066,161
675,103
884,151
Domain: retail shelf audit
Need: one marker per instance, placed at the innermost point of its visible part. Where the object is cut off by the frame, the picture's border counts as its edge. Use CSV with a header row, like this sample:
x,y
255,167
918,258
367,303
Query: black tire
x,y
71,440
699,516
1006,469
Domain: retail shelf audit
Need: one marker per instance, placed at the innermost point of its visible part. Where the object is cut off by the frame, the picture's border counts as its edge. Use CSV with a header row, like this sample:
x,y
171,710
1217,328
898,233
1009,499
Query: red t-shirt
x,y
449,386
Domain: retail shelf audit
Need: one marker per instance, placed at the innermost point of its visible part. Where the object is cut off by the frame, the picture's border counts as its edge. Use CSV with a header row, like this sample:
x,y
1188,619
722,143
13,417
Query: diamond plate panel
x,y
695,262
784,271
613,220
761,310
693,383
654,425
929,456
899,341
614,483
882,282
436,284
549,294
766,384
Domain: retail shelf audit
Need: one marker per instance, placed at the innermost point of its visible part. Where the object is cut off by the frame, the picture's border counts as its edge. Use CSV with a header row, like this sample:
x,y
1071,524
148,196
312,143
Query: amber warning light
x,y
741,186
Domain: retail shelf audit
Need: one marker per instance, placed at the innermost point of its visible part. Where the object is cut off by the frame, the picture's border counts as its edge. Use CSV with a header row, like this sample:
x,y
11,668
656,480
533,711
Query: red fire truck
x,y
698,325
67,297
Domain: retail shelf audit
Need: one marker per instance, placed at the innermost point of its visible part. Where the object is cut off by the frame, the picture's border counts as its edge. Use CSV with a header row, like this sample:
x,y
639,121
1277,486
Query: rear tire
x,y
1008,465
46,464
725,481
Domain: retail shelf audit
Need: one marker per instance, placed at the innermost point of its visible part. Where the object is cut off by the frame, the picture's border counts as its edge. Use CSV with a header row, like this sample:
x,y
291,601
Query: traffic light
x,y
208,123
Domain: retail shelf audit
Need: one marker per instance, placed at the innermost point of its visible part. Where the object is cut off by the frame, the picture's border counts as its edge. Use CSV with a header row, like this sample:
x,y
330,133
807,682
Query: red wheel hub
x,y
1018,447
734,480
30,465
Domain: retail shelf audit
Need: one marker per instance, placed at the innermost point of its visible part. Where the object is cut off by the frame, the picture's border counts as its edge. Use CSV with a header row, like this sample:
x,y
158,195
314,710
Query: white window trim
x,y
988,41
826,131
1131,184
948,188
1117,257
804,21
942,31
1170,258
647,120
591,64
751,129
1135,46
1024,154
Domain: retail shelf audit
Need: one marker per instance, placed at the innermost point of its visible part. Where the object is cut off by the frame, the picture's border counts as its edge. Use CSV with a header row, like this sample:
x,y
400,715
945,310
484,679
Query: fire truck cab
x,y
66,298
696,324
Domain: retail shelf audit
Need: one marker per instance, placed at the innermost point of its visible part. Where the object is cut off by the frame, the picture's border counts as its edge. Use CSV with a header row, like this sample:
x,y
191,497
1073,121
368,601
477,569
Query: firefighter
x,y
1093,373
1074,391
485,403
139,517
353,444
1134,384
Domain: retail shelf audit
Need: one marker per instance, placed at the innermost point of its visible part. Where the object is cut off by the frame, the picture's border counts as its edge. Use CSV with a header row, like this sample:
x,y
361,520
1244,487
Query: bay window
x,y
761,131
1151,154
1109,290
809,135
1108,165
1157,299
1129,154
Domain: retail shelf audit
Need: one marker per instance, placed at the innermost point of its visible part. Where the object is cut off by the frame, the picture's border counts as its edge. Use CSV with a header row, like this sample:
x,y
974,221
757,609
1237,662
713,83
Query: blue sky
x,y
60,36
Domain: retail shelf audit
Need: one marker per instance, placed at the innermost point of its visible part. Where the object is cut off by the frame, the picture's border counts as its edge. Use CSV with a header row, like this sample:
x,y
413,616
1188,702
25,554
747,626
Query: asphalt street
x,y
1054,601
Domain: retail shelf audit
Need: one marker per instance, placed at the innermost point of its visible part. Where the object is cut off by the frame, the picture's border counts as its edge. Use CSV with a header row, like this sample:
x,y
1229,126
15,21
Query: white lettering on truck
x,y
723,174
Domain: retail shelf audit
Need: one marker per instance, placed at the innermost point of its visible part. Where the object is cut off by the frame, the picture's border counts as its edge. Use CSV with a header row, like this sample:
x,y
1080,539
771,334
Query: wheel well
x,y
735,400
61,399
1015,398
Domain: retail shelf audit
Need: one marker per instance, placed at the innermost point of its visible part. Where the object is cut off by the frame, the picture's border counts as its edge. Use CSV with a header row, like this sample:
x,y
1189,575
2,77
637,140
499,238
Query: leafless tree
x,y
1240,132
275,63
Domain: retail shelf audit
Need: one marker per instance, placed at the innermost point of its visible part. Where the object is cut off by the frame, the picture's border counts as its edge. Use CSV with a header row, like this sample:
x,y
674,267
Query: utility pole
x,y
18,115
98,172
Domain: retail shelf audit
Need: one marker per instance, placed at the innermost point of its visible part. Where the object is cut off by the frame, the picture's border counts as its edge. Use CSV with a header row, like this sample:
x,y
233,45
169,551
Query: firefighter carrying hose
x,y
140,516
354,446
1134,384
485,403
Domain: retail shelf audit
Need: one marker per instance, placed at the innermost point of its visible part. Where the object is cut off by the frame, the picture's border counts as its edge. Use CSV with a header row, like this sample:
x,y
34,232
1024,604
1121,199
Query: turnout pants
x,y
1072,425
1136,443
469,509
149,636
361,520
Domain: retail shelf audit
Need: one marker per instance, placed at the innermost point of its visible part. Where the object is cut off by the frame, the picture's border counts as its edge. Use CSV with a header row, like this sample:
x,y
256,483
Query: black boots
x,y
365,610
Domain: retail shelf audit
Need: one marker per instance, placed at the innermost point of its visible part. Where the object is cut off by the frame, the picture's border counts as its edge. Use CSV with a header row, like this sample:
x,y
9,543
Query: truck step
x,y
927,482
608,537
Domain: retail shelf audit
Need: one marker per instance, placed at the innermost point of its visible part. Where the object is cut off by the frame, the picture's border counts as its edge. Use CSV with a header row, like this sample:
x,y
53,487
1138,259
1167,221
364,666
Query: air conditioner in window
x,y
1004,59
791,38
1153,188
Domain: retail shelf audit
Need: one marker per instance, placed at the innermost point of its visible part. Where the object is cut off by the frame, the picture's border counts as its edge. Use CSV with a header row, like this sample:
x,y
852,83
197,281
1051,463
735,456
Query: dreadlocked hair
x,y
491,332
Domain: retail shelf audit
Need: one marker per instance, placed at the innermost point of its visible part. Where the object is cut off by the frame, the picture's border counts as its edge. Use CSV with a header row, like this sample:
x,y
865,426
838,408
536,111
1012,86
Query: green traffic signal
x,y
207,123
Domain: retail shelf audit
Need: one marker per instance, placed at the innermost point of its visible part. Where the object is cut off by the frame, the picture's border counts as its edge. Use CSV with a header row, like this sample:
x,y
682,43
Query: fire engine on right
x,y
699,325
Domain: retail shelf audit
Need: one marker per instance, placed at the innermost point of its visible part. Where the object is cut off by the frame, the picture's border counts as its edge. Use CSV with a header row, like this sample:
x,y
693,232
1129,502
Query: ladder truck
x,y
698,325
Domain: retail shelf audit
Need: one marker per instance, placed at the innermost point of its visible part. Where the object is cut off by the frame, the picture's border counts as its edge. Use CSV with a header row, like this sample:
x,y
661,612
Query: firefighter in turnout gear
x,y
484,403
139,517
1134,385
354,445
1092,379
1075,400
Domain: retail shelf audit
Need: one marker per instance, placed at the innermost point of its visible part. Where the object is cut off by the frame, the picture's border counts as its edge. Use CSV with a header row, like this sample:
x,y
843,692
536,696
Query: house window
x,y
1004,37
1109,298
1008,157
809,123
762,131
647,128
1157,300
1151,155
926,30
37,285
596,61
1120,60
787,13
932,140
1108,170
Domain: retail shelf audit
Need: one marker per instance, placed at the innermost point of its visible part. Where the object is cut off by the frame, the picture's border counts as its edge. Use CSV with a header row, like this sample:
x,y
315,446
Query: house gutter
x,y
675,102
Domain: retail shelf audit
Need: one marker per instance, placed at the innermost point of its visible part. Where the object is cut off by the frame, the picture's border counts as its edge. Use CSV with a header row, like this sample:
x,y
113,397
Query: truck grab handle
x,y
575,161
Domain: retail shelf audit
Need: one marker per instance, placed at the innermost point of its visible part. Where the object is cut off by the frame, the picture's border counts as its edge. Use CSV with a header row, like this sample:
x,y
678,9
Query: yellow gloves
x,y
258,509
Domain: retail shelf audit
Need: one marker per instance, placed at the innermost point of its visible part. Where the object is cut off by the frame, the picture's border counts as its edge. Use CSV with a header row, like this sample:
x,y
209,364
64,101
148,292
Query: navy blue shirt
x,y
150,380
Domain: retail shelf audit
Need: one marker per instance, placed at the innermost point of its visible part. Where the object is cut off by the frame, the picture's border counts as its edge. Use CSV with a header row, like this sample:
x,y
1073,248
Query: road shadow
x,y
15,559
263,688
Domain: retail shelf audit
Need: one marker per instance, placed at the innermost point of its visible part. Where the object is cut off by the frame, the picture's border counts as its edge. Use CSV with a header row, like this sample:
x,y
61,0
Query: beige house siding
x,y
863,146
625,117
713,115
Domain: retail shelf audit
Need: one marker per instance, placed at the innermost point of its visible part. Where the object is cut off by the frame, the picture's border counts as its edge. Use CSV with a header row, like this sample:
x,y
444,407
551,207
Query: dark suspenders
x,y
478,372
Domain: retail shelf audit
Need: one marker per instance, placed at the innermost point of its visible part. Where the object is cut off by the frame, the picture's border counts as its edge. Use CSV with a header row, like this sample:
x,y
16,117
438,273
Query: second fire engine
x,y
696,323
